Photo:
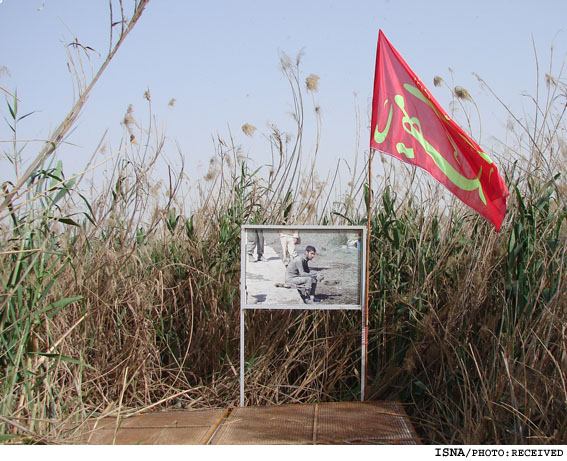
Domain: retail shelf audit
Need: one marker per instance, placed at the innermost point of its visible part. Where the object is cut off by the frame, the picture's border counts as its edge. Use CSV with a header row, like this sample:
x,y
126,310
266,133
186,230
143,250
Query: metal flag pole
x,y
365,306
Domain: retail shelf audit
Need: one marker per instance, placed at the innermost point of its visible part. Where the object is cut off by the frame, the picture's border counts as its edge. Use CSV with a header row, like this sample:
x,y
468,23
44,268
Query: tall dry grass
x,y
128,301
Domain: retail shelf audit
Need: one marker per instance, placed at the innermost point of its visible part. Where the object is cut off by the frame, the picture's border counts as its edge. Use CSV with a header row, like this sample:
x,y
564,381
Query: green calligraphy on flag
x,y
412,126
419,95
380,136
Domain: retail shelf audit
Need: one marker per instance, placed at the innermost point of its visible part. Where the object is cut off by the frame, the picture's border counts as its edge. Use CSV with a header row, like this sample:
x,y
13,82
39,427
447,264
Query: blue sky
x,y
220,61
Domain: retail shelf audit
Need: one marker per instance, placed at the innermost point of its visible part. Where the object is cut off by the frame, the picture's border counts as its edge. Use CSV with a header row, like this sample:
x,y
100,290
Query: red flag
x,y
409,124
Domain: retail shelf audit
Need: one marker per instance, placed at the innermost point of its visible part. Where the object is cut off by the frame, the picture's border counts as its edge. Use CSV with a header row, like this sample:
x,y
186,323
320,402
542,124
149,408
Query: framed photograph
x,y
302,267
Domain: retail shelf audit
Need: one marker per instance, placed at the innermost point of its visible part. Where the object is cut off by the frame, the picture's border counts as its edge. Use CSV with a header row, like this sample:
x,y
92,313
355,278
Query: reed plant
x,y
35,216
125,298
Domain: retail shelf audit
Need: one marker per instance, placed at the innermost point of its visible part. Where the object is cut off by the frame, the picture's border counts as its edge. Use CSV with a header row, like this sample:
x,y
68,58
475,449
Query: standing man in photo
x,y
255,241
288,239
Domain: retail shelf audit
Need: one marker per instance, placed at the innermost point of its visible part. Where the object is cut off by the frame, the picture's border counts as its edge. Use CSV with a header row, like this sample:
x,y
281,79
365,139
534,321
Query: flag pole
x,y
367,284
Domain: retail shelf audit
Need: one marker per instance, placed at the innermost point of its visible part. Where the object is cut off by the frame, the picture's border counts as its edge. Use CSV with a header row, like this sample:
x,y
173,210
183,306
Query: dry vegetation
x,y
116,305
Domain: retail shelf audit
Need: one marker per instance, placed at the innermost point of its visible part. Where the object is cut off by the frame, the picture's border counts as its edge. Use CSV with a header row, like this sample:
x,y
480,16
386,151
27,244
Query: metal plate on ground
x,y
294,424
327,423
169,428
272,425
363,423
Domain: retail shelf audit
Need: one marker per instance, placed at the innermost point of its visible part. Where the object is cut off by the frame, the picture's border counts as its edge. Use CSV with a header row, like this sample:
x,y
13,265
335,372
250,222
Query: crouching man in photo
x,y
298,275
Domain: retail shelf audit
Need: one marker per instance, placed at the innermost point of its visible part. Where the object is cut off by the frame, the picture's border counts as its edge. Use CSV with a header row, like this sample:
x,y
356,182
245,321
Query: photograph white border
x,y
362,267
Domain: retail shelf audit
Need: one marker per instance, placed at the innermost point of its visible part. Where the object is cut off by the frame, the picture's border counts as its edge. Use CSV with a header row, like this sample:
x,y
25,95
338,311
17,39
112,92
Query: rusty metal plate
x,y
305,424
326,423
271,425
363,423
151,436
168,428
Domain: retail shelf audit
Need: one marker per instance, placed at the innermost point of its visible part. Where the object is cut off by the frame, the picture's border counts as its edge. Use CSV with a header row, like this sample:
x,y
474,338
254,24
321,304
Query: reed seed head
x,y
312,82
285,61
550,80
248,129
129,120
462,93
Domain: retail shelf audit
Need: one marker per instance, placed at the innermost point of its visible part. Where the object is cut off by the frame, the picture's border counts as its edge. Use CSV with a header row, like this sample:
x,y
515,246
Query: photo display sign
x,y
302,267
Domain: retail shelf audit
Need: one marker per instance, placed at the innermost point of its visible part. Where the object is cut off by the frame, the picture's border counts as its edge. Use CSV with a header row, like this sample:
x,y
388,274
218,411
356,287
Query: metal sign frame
x,y
363,298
